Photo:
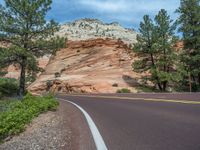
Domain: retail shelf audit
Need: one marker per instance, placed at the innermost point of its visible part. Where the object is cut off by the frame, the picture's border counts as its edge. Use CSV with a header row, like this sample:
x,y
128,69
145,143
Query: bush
x,y
1,95
57,75
4,105
49,84
8,87
115,85
124,90
20,113
195,87
147,89
3,73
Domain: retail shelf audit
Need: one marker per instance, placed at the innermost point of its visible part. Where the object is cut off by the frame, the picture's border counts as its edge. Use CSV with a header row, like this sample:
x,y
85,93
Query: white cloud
x,y
113,6
104,6
128,10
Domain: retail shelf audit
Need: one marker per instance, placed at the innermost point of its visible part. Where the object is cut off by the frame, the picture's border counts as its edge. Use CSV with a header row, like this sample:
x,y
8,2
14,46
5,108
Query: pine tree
x,y
156,51
145,50
23,26
189,22
166,39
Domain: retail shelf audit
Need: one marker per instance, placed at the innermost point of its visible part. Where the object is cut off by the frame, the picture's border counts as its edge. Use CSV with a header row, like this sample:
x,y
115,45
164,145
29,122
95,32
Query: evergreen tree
x,y
155,48
23,26
145,50
166,40
189,22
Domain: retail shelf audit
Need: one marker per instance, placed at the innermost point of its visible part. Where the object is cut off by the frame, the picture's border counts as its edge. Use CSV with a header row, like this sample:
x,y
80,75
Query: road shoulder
x,y
63,129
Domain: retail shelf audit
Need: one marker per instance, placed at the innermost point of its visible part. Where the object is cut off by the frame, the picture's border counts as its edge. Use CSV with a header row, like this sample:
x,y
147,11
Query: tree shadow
x,y
140,86
132,82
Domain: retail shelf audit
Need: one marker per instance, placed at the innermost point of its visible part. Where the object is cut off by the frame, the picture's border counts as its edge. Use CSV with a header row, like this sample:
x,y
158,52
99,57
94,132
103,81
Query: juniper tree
x,y
189,21
155,48
24,27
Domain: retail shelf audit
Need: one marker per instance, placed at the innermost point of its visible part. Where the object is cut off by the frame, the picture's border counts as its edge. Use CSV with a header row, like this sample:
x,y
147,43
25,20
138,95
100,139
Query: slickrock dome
x,y
98,66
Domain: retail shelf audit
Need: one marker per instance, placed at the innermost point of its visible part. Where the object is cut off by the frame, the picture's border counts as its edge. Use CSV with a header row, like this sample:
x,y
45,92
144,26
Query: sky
x,y
128,13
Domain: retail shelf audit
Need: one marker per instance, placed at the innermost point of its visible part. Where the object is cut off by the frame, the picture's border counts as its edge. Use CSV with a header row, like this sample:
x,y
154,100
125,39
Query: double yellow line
x,y
143,99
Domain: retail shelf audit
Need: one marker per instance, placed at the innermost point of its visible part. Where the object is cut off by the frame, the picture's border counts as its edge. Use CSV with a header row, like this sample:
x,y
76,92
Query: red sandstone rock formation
x,y
96,65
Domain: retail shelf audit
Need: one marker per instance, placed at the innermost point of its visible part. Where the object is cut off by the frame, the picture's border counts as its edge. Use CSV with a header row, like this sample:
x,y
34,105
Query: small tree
x,y
189,21
23,26
155,49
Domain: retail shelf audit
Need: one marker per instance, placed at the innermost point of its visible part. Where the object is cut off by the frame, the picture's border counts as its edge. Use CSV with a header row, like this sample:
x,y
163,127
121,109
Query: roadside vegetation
x,y
147,89
166,66
124,90
8,87
16,114
28,36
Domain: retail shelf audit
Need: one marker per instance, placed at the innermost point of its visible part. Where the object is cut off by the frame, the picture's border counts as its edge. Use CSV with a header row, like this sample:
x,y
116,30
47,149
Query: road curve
x,y
127,124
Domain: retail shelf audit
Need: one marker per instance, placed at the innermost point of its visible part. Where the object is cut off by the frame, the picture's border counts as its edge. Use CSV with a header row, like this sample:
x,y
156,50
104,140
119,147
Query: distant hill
x,y
85,29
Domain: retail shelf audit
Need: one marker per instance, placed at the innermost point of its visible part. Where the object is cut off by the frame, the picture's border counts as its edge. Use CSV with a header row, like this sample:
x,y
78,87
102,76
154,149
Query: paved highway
x,y
144,121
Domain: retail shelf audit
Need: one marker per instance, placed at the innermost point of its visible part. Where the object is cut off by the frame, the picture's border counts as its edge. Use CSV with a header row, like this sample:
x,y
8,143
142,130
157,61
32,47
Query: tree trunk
x,y
193,78
160,86
164,86
157,79
22,78
190,83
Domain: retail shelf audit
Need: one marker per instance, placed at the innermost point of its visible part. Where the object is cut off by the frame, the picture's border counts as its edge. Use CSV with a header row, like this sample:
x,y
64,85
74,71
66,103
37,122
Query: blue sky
x,y
128,13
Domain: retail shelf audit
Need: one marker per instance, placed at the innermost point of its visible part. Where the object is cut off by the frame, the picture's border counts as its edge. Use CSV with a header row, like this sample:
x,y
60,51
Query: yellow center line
x,y
143,99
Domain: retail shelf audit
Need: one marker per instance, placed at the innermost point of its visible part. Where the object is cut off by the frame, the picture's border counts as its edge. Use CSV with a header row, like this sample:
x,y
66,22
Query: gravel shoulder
x,y
64,129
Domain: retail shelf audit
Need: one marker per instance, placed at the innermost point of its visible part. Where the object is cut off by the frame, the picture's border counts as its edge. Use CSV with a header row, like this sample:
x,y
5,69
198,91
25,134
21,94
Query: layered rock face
x,y
96,65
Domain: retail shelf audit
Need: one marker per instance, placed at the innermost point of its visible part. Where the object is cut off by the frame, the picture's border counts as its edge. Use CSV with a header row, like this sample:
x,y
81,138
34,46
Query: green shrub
x,y
20,113
144,88
57,74
49,84
4,104
124,90
3,73
1,95
8,87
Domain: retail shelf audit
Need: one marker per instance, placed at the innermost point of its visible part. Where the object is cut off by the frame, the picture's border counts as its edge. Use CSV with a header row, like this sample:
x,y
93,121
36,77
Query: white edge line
x,y
99,142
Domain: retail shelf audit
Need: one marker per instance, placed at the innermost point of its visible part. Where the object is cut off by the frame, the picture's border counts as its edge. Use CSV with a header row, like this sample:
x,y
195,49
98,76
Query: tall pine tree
x,y
24,27
145,50
189,22
155,48
166,40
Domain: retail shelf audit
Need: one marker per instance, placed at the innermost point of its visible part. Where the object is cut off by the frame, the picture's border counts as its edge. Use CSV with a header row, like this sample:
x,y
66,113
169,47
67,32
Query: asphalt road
x,y
131,124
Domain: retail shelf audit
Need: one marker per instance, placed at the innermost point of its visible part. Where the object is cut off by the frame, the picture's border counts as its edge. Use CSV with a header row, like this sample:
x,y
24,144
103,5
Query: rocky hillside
x,y
85,29
97,59
97,65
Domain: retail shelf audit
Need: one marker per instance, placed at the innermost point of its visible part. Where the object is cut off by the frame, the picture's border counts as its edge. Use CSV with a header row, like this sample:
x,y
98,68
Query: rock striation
x,y
95,65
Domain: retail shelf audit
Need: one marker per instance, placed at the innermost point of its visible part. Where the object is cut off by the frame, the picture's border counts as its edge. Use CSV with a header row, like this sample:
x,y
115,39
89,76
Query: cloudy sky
x,y
128,13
